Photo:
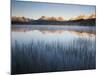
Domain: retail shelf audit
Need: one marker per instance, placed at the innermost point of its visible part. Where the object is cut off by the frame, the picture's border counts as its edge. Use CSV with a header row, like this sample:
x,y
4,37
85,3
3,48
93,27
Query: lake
x,y
56,27
48,48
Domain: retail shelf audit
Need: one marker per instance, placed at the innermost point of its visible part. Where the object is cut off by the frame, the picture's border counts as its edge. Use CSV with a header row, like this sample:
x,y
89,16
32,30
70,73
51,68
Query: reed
x,y
40,56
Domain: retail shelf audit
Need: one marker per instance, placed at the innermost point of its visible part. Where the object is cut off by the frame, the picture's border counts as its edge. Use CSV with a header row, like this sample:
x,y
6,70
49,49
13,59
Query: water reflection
x,y
51,35
52,50
55,27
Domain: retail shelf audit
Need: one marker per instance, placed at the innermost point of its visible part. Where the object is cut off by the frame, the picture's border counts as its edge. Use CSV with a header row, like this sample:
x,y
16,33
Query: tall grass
x,y
40,56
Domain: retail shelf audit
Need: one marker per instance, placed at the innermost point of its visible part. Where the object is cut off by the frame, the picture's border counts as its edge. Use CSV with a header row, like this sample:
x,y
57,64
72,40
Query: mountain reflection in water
x,y
35,51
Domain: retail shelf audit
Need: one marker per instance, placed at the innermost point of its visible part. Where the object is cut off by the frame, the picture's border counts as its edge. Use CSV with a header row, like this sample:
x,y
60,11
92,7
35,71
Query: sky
x,y
35,10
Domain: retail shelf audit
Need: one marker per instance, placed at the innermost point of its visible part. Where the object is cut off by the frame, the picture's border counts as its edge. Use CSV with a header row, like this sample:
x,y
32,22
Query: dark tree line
x,y
81,22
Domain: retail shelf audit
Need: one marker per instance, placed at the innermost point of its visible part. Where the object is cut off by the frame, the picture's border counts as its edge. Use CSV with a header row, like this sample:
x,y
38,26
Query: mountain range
x,y
45,20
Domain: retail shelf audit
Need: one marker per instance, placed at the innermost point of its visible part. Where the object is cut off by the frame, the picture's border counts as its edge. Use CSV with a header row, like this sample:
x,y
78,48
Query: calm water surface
x,y
48,48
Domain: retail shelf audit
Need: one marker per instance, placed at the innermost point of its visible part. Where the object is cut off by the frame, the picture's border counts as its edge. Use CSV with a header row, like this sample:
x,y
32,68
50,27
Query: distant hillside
x,y
20,20
46,18
80,20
